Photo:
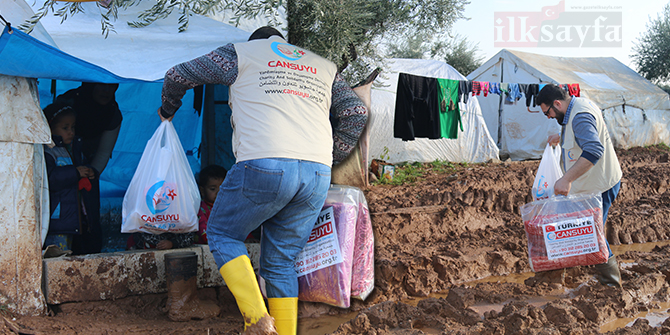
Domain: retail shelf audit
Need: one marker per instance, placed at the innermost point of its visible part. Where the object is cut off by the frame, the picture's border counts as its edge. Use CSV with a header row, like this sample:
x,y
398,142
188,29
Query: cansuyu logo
x,y
542,187
288,51
160,196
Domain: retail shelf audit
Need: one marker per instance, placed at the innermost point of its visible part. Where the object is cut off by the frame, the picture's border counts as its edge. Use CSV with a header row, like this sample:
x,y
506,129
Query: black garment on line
x,y
531,92
417,112
464,89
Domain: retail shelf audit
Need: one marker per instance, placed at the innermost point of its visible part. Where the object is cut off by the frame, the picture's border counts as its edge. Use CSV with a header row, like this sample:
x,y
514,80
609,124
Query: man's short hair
x,y
550,93
264,33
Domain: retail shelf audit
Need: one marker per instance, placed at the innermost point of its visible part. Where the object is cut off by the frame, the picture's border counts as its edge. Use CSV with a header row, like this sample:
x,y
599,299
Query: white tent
x,y
473,145
635,110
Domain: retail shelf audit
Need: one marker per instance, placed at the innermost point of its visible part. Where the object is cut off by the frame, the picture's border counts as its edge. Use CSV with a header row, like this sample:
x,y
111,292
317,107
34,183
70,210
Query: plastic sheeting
x,y
23,203
127,54
473,145
636,127
609,83
138,103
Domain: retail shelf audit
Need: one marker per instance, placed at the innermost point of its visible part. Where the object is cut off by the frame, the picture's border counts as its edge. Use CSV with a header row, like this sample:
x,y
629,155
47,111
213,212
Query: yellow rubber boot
x,y
285,313
241,281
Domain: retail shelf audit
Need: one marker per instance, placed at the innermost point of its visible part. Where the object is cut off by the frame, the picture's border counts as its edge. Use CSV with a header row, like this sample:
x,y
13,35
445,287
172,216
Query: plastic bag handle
x,y
165,152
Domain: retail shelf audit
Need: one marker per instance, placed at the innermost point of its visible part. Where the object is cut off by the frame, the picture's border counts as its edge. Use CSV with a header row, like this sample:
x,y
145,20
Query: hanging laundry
x,y
541,87
494,88
573,89
504,87
416,108
531,94
476,88
485,88
450,115
564,87
514,93
523,88
464,89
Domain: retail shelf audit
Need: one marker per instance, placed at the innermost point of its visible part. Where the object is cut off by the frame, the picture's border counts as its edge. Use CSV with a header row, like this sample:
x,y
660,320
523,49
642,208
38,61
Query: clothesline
x,y
513,91
428,107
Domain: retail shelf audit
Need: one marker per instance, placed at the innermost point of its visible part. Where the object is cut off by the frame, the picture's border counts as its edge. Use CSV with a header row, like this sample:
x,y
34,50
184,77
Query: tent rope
x,y
9,25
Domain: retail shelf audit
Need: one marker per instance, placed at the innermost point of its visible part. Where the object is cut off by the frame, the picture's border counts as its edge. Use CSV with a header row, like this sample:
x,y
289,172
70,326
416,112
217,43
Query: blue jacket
x,y
64,194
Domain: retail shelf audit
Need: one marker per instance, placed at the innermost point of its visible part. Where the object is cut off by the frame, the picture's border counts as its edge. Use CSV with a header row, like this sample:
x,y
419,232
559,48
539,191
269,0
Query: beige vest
x,y
607,172
280,102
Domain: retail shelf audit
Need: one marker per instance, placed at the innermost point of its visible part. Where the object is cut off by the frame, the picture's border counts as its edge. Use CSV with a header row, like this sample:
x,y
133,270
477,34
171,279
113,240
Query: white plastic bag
x,y
563,232
163,195
548,173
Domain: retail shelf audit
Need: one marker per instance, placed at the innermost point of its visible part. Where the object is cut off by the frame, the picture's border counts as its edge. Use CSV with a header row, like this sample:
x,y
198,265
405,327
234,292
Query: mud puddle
x,y
655,317
327,324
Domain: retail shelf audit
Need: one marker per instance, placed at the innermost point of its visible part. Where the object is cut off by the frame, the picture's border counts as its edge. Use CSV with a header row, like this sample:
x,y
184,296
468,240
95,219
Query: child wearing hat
x,y
69,178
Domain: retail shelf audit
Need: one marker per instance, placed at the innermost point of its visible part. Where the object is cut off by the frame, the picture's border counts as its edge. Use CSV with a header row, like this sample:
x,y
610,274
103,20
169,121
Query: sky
x,y
567,28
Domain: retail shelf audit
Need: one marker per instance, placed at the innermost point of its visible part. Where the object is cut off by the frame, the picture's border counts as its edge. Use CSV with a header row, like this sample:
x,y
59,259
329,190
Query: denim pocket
x,y
321,185
261,186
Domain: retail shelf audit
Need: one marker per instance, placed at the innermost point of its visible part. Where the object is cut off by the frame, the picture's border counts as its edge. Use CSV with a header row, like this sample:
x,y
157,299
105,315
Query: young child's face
x,y
211,189
64,128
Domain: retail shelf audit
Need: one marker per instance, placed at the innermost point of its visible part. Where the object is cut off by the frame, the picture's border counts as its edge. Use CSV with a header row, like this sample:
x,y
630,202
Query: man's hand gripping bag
x,y
163,195
564,232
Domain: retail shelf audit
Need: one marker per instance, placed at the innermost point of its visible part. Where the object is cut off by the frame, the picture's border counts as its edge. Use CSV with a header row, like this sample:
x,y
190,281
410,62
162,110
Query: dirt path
x,y
435,235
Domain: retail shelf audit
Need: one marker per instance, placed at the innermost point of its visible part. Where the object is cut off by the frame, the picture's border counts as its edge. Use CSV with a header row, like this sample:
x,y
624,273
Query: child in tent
x,y
69,178
209,182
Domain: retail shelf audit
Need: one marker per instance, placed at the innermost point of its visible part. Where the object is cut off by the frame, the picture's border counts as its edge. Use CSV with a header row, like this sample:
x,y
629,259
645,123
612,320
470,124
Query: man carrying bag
x,y
588,157
280,97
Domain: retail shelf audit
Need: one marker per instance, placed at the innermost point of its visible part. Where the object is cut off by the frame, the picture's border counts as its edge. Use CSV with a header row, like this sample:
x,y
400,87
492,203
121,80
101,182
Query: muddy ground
x,y
434,238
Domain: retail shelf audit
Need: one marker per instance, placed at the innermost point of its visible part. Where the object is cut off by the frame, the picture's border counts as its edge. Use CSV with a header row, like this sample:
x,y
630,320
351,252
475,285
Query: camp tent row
x,y
635,110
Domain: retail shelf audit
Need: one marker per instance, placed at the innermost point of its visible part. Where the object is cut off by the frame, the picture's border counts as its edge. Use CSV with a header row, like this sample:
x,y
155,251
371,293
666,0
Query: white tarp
x,y
139,53
23,198
635,110
473,145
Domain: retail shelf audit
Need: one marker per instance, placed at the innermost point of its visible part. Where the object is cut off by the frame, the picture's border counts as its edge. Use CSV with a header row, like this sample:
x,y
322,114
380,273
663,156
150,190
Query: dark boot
x,y
181,275
608,273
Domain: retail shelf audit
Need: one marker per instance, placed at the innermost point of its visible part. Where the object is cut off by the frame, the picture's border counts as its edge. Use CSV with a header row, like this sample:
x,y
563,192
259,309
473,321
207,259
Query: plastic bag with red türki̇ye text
x,y
565,232
324,266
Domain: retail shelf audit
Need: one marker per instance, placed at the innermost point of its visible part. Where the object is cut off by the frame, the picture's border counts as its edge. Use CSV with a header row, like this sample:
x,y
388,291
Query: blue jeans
x,y
608,199
283,195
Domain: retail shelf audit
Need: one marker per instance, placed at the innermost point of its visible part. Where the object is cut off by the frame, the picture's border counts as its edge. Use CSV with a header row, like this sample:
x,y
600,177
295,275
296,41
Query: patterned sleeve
x,y
216,67
352,115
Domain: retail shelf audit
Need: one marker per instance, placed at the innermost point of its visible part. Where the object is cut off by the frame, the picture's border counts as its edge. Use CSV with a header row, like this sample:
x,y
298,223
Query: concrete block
x,y
120,274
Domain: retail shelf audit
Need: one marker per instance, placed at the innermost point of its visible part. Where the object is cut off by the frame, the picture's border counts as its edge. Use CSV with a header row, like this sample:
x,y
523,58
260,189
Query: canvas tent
x,y
635,110
473,145
56,57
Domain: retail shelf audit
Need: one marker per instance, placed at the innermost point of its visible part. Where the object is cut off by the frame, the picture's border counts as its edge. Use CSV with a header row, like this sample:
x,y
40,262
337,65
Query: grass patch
x,y
663,147
410,173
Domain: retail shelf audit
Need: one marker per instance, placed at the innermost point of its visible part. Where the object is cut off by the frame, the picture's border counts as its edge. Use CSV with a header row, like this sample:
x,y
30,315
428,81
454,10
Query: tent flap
x,y
20,111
